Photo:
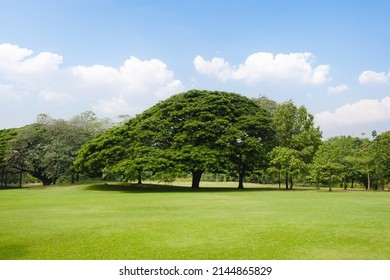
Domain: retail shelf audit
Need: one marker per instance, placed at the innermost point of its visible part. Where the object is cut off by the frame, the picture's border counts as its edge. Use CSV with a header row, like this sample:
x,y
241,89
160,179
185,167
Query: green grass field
x,y
100,221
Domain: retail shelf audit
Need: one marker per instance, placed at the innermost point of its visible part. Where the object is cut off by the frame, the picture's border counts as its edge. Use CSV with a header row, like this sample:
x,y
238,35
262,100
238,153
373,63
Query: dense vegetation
x,y
193,134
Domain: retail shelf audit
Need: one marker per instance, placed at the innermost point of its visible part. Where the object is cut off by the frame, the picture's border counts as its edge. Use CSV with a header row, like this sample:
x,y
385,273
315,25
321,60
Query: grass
x,y
100,221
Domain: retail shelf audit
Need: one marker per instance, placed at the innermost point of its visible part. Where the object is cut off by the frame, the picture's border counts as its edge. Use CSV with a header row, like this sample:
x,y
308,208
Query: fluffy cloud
x,y
8,92
12,53
362,112
374,78
140,83
114,106
52,96
263,66
337,89
15,61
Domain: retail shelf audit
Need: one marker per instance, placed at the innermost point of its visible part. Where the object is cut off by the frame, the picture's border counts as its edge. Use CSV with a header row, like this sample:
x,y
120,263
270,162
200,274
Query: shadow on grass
x,y
155,188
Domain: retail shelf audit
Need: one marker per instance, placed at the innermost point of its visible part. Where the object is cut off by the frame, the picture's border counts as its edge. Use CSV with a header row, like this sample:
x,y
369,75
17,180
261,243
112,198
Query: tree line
x,y
45,150
190,134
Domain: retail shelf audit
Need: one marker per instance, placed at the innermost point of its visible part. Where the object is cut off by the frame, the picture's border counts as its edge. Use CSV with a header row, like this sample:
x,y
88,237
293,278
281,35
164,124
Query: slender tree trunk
x,y
286,181
330,185
241,180
139,179
279,180
352,183
196,176
368,179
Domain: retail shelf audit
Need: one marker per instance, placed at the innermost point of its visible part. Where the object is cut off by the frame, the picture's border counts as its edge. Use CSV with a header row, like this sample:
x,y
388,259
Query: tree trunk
x,y
291,182
241,180
286,181
279,180
196,175
139,179
20,179
46,181
352,183
368,180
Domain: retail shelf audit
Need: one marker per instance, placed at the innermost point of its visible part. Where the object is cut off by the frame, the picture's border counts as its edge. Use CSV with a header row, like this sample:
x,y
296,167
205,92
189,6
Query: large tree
x,y
200,129
191,132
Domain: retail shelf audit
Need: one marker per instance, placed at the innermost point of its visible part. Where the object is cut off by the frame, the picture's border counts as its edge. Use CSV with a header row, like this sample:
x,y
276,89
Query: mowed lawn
x,y
160,222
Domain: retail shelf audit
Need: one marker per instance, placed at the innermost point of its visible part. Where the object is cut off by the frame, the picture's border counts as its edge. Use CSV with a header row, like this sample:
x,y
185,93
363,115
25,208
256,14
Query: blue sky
x,y
121,57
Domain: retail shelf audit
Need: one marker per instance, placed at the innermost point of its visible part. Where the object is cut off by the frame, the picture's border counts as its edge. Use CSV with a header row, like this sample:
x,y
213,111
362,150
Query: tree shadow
x,y
155,188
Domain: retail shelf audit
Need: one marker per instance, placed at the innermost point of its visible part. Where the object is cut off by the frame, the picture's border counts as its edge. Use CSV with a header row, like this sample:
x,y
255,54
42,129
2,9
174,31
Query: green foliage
x,y
346,159
381,160
297,141
191,132
7,173
47,148
327,165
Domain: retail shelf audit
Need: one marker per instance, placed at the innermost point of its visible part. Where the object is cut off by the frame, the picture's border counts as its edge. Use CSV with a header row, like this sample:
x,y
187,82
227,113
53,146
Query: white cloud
x,y
263,66
140,83
114,106
374,78
12,53
217,67
52,96
9,93
362,112
15,61
337,89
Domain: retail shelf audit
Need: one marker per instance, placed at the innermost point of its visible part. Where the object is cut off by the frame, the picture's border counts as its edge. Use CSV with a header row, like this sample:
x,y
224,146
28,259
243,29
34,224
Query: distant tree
x,y
329,164
6,171
295,130
286,161
267,104
46,149
28,151
381,160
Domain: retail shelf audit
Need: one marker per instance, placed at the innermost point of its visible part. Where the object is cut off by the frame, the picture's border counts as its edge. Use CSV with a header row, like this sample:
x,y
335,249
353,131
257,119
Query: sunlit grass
x,y
216,222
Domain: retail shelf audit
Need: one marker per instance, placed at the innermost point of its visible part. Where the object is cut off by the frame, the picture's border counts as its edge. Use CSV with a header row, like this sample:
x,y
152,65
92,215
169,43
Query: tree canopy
x,y
297,140
190,134
46,149
193,132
